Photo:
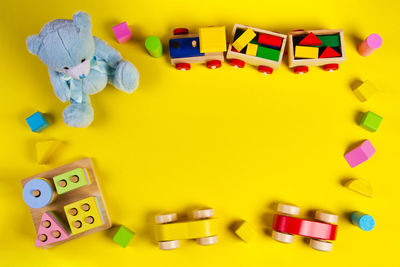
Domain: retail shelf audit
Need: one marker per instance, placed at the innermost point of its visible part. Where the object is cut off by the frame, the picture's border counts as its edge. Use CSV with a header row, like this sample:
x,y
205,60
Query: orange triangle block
x,y
329,52
310,39
50,231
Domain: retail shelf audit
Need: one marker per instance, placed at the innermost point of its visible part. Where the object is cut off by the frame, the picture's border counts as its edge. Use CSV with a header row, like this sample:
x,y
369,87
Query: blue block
x,y
183,47
37,122
362,220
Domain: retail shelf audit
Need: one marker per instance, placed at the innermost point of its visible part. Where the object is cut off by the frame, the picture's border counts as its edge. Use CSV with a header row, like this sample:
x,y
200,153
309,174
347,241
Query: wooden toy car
x,y
186,48
285,227
203,229
315,48
263,49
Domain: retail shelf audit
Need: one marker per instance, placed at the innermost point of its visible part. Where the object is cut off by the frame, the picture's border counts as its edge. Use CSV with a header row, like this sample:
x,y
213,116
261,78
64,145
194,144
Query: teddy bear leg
x,y
79,115
126,77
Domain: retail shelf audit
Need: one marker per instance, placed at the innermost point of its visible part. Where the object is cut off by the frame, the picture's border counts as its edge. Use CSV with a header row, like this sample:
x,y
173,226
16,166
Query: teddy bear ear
x,y
33,43
82,20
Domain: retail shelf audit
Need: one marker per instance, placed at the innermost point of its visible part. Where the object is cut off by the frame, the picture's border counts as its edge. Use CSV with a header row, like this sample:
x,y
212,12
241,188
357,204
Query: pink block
x,y
360,154
48,231
369,45
122,32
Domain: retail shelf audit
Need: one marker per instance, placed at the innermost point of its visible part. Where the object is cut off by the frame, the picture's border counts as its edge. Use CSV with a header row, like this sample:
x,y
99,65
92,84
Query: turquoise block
x,y
37,122
362,220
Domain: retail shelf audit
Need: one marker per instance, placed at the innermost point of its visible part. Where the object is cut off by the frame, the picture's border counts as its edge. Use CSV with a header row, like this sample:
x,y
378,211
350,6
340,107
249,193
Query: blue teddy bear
x,y
80,65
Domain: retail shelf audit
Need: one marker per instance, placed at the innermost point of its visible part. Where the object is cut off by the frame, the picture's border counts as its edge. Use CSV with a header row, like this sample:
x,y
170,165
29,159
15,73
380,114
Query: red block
x,y
311,39
270,40
329,52
297,226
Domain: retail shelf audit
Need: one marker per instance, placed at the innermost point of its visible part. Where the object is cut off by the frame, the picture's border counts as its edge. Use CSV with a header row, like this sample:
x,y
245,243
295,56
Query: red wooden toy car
x,y
321,232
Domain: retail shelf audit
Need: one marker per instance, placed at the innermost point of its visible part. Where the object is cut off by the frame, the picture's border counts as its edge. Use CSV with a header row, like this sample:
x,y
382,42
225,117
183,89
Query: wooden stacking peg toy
x,y
369,45
51,230
38,193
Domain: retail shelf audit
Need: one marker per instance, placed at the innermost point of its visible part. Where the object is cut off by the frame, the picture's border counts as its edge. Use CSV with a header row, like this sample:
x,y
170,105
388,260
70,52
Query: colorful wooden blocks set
x,y
185,48
315,48
123,236
320,232
73,194
361,153
203,228
263,49
365,91
122,32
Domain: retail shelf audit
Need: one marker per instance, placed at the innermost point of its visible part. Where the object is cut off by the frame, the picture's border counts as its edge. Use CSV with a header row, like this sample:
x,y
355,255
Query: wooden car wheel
x,y
320,245
166,218
205,241
326,217
213,64
203,213
331,67
288,209
180,31
168,245
265,70
237,63
282,237
182,66
300,70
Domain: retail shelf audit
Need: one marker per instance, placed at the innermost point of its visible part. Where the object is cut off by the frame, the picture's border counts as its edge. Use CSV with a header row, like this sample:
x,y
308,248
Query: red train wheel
x,y
265,70
213,64
180,31
182,66
331,67
237,63
300,70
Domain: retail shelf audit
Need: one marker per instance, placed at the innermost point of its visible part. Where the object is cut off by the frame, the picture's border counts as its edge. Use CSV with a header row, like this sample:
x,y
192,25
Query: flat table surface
x,y
231,139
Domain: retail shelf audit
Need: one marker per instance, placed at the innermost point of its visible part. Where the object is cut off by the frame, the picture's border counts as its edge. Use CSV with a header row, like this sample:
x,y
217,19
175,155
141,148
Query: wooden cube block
x,y
122,32
212,39
245,232
84,215
251,49
244,39
360,154
123,236
371,121
71,180
365,91
37,122
306,52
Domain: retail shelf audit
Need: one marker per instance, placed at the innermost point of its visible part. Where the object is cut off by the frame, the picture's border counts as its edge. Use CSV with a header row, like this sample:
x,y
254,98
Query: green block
x,y
154,46
71,180
268,53
371,121
123,236
329,40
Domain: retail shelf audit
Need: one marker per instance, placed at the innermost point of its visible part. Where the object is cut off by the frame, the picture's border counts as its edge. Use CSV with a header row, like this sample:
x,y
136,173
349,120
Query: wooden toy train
x,y
261,48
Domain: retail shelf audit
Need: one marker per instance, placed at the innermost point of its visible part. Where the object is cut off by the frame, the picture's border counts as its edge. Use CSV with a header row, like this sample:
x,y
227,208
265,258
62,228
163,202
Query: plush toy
x,y
80,65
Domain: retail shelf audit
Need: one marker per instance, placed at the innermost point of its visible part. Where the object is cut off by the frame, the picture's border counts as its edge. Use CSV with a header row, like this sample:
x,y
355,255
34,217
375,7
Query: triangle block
x,y
329,52
50,231
360,186
311,39
44,150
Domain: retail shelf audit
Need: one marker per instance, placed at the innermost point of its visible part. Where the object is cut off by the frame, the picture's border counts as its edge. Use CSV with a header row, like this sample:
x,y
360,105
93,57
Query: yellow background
x,y
232,139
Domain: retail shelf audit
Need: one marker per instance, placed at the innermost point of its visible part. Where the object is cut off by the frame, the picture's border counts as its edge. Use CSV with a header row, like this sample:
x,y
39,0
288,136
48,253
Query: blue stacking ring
x,y
45,197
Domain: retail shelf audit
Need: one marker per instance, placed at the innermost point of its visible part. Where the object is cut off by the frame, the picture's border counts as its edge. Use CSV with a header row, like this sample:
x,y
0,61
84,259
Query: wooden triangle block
x,y
311,39
50,231
329,52
44,150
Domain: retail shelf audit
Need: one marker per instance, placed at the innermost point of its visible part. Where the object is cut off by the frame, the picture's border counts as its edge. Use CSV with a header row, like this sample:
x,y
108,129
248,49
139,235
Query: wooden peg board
x,y
57,206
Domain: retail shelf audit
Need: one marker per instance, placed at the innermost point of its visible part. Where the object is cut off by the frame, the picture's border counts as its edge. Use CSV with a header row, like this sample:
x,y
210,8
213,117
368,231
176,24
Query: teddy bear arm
x,y
60,86
107,53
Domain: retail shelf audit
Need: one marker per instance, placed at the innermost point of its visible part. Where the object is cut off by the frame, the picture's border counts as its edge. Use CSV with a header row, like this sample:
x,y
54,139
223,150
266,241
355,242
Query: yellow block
x,y
245,232
82,215
252,49
306,52
186,230
365,91
244,39
360,186
212,39
44,150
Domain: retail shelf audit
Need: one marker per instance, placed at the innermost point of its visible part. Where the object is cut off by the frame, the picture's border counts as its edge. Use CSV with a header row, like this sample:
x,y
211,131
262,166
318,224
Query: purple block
x,y
360,154
122,32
